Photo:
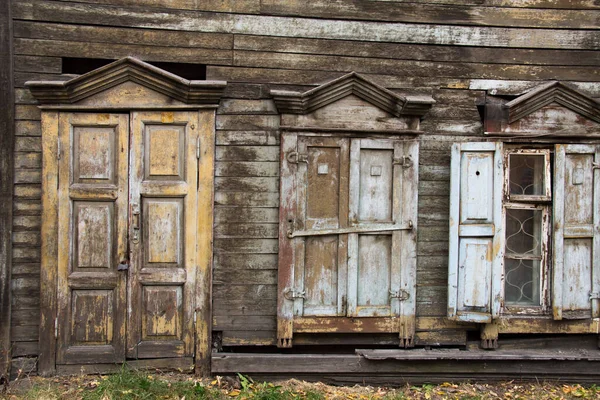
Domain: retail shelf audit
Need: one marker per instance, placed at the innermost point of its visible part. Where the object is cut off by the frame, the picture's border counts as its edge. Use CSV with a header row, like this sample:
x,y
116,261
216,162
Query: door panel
x,y
163,202
92,237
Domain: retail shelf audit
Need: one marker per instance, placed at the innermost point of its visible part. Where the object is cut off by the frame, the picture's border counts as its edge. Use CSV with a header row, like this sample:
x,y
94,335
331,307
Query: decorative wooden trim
x,y
288,102
49,253
553,92
123,70
203,314
7,140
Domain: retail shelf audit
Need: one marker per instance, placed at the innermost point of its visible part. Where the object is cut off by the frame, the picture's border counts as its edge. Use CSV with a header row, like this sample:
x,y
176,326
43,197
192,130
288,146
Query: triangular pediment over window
x,y
125,83
551,109
351,102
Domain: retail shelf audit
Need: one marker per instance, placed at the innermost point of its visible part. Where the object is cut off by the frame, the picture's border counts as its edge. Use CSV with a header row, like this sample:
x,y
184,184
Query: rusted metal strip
x,y
354,229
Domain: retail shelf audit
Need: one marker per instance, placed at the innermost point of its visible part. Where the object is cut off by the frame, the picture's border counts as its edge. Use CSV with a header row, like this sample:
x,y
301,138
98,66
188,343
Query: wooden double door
x,y
127,235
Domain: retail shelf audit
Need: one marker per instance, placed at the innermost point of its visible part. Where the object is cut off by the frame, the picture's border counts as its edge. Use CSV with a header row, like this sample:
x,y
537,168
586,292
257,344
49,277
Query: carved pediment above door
x,y
351,103
128,83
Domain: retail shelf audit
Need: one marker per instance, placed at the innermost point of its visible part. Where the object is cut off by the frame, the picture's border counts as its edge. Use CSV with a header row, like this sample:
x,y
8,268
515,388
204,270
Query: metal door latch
x,y
399,294
291,294
123,266
294,157
594,295
404,161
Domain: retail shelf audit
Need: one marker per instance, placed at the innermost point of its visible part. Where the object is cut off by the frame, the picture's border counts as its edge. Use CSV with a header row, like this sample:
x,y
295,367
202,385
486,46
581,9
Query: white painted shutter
x,y
476,232
576,274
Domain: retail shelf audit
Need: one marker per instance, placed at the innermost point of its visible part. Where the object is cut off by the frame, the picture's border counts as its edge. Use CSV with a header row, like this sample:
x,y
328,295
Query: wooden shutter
x,y
92,237
382,265
576,280
476,232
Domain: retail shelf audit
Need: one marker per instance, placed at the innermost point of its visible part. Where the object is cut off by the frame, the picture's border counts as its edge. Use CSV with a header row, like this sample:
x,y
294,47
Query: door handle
x,y
135,222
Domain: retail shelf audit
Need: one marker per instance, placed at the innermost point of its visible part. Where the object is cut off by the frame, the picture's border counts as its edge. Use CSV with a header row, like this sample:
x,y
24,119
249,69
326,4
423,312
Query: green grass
x,y
135,385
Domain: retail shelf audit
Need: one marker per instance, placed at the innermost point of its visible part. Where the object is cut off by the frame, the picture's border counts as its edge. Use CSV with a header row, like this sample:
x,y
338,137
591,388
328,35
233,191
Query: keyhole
x,y
477,173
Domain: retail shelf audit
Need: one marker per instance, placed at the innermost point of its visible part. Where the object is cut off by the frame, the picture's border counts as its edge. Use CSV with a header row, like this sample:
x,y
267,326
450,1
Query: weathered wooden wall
x,y
454,50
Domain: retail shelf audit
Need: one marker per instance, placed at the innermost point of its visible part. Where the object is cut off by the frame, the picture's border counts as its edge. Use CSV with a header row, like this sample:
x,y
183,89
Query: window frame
x,y
543,203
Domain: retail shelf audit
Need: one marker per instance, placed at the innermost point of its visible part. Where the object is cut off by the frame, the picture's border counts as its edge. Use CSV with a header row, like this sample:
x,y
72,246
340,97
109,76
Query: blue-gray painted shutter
x,y
576,201
476,247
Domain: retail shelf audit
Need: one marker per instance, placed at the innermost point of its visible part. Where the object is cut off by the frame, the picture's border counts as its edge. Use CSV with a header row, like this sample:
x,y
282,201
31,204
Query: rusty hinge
x,y
56,328
294,157
404,161
596,165
594,295
291,294
399,294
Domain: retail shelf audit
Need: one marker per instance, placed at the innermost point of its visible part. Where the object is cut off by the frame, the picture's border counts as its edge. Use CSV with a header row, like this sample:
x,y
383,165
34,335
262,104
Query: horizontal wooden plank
x,y
241,106
244,323
247,138
233,6
30,269
23,349
62,48
432,233
28,160
38,64
247,168
24,333
455,14
53,11
434,173
26,254
24,96
115,35
246,230
411,68
252,184
27,222
247,122
27,207
259,246
432,248
245,276
513,88
27,238
454,54
27,112
28,176
229,215
246,199
27,317
247,153
434,188
28,128
228,261
28,144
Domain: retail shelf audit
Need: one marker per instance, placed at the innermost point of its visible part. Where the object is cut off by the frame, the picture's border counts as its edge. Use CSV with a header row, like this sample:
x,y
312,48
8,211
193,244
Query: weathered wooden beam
x,y
54,11
7,142
454,14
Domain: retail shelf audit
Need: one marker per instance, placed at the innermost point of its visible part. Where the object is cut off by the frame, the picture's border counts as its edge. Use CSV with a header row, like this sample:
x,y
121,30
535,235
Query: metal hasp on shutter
x,y
476,232
347,258
576,268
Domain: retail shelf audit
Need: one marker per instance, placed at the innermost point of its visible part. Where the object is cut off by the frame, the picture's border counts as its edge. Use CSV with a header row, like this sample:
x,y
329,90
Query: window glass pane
x,y
526,175
523,257
523,232
522,282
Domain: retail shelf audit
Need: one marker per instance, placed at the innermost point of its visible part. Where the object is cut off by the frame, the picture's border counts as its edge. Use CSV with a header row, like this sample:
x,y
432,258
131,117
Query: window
x,y
524,231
